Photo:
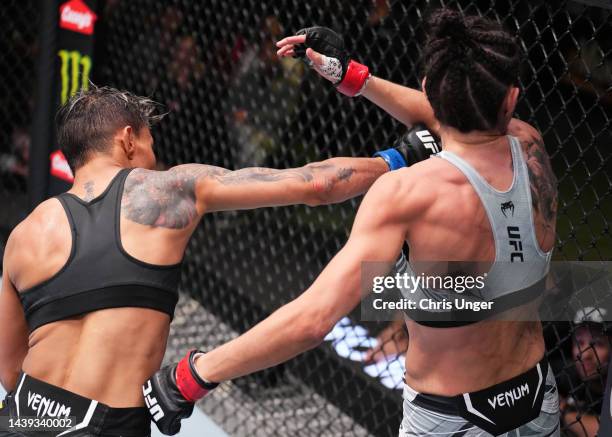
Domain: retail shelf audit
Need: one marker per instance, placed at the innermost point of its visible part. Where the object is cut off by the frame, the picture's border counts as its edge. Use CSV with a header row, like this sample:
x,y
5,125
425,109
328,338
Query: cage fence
x,y
18,50
233,103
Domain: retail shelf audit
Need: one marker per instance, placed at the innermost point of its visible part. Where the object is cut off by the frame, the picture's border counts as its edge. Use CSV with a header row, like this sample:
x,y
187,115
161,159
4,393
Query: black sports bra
x,y
99,273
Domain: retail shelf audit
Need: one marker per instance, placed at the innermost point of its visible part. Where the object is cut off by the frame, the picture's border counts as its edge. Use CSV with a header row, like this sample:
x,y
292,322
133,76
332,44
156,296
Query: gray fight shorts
x,y
530,401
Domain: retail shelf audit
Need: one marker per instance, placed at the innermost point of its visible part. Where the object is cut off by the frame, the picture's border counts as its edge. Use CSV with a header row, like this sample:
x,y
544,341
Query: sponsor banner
x,y
76,16
60,168
76,23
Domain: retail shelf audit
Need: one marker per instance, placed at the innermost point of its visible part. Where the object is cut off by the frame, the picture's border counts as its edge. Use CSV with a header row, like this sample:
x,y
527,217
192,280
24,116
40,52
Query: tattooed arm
x,y
542,179
175,198
331,181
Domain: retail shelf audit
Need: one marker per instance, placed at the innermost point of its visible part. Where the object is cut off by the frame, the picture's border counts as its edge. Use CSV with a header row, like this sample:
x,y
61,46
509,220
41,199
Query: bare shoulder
x,y
429,175
165,199
541,176
47,224
408,190
533,145
523,131
41,222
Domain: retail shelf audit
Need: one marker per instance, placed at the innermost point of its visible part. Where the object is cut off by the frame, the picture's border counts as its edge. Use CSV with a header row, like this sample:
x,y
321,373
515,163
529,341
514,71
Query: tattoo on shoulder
x,y
164,199
168,198
543,181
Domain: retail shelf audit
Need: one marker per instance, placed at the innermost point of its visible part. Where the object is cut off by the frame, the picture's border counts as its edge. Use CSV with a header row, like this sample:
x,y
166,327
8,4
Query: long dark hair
x,y
470,63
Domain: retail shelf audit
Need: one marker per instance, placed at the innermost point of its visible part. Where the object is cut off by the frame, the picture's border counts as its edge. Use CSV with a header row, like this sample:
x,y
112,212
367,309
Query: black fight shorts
x,y
39,409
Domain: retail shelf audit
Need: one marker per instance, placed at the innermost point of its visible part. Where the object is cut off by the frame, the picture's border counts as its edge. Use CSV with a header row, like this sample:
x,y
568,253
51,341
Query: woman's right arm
x,y
407,105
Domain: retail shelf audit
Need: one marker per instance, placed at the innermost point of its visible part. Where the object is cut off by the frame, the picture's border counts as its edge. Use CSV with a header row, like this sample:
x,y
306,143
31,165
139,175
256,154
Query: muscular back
x,y
106,354
454,225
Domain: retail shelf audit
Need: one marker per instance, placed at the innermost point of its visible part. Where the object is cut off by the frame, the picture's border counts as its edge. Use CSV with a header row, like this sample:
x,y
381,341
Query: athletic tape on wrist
x,y
393,158
188,382
354,79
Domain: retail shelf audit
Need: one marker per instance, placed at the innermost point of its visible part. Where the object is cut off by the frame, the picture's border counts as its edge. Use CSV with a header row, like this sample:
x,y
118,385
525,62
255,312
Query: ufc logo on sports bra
x,y
152,405
515,243
428,140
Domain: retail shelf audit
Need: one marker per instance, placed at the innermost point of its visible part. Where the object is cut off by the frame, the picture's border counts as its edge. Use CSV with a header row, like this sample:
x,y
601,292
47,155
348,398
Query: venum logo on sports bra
x,y
514,234
507,207
46,407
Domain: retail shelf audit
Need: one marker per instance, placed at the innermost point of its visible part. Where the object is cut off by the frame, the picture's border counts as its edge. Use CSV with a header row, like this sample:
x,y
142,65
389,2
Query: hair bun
x,y
446,23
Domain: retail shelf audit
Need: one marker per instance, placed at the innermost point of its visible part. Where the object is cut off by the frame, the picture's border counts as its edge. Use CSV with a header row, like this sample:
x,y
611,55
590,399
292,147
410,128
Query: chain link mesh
x,y
233,103
18,47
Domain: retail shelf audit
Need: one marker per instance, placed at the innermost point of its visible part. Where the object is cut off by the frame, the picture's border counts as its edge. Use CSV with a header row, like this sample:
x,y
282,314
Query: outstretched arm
x,y
178,197
331,181
303,323
407,105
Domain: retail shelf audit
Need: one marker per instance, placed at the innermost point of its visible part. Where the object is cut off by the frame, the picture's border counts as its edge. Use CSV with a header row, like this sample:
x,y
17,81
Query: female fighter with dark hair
x,y
489,197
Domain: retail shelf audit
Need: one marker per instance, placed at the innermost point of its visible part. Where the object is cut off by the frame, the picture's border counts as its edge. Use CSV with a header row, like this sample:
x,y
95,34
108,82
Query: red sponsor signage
x,y
60,168
76,16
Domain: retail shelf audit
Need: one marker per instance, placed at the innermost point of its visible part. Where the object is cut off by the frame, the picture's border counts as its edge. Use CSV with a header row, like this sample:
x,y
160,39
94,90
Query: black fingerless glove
x,y
171,393
349,76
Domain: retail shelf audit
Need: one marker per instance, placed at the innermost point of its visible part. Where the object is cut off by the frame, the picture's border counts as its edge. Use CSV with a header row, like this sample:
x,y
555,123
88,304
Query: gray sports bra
x,y
520,267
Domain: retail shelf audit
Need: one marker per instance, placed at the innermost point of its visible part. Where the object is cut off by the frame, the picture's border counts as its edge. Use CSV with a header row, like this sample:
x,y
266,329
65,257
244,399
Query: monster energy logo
x,y
74,71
